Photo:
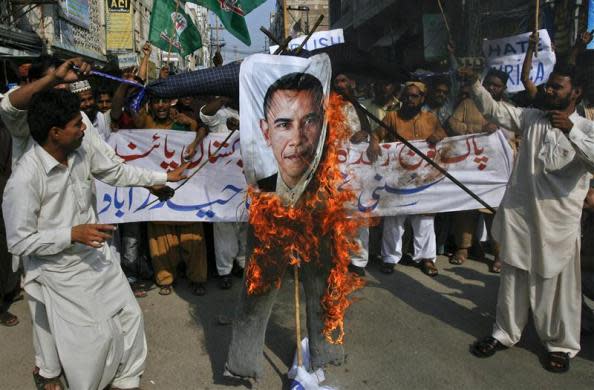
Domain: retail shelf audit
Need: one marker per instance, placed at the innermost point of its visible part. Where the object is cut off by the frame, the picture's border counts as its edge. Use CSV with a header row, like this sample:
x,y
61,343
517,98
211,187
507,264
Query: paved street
x,y
406,331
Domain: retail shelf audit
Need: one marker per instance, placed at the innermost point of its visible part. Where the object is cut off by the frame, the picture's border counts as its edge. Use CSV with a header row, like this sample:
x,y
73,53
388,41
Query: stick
x,y
445,20
269,35
316,25
297,316
173,32
536,20
420,154
283,46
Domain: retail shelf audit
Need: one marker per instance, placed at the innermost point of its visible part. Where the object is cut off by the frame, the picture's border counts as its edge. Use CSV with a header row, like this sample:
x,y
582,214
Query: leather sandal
x,y
486,347
429,268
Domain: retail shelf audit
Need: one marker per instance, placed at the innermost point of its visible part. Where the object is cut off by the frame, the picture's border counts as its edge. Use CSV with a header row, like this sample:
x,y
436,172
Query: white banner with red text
x,y
399,182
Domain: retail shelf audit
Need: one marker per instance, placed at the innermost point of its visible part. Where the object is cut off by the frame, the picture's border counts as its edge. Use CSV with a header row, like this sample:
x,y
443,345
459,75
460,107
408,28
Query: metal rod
x,y
419,153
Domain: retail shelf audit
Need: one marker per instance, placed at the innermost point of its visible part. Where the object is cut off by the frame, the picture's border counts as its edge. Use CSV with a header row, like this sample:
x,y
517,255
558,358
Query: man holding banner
x,y
538,220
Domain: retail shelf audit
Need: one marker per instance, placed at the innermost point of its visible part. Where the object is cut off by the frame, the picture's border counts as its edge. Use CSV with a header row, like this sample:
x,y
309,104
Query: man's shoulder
x,y
28,166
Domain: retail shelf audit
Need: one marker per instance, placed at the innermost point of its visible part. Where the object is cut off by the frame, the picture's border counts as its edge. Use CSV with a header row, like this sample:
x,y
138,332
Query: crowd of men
x,y
55,125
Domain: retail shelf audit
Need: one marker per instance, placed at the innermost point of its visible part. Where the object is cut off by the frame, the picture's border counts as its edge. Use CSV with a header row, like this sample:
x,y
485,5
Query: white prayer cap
x,y
80,86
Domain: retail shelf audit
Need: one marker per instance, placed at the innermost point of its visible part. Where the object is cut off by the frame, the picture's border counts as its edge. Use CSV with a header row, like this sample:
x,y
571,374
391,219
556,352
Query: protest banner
x,y
317,40
216,193
507,54
282,118
398,183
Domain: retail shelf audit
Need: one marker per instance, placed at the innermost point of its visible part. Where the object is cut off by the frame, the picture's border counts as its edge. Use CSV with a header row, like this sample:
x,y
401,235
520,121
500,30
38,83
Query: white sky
x,y
258,17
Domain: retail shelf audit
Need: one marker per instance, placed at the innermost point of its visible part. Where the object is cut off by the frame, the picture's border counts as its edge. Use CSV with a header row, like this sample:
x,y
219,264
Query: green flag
x,y
231,13
171,30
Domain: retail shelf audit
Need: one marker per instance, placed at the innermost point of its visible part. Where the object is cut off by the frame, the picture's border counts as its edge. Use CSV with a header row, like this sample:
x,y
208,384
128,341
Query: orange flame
x,y
284,235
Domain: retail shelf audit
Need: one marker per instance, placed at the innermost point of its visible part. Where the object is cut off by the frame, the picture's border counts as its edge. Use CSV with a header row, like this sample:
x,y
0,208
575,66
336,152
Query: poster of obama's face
x,y
282,122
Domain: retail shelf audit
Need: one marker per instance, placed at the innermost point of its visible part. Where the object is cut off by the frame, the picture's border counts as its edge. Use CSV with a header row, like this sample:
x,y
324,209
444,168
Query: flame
x,y
286,235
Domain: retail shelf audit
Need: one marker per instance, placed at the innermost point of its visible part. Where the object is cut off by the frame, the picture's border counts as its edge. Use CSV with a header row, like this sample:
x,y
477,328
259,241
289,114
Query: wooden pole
x,y
445,20
173,33
297,317
536,23
315,27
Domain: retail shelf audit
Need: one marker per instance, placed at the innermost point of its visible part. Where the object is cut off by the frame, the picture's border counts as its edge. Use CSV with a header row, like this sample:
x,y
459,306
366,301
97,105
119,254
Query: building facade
x,y
298,17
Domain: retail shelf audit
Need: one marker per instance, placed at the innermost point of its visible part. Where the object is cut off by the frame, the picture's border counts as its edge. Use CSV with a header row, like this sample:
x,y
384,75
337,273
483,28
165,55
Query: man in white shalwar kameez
x,y
538,221
93,316
221,117
13,110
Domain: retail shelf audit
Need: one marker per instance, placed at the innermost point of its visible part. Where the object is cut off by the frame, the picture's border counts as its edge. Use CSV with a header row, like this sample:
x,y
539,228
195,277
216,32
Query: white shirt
x,y
217,123
43,200
538,221
15,121
102,124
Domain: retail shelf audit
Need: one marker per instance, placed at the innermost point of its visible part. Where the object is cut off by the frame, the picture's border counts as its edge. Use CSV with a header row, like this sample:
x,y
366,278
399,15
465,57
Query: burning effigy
x,y
291,128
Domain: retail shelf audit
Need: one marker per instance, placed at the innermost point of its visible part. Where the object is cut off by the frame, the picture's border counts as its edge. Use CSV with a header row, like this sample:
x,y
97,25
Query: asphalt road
x,y
406,331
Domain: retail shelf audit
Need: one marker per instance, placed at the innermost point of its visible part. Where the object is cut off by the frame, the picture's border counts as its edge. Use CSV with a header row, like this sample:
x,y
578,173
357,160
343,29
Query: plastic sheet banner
x,y
216,193
317,40
398,183
507,54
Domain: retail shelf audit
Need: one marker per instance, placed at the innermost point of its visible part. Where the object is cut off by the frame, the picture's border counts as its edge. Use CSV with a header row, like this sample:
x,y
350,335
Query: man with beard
x,y
411,123
89,106
538,220
438,99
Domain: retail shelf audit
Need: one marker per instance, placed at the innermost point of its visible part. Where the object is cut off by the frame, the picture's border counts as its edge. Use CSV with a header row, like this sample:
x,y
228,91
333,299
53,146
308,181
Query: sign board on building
x,y
76,12
507,54
317,40
120,26
127,60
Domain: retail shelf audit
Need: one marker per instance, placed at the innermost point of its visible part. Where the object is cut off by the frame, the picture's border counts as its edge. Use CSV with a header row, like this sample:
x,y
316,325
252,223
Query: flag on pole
x,y
168,19
232,14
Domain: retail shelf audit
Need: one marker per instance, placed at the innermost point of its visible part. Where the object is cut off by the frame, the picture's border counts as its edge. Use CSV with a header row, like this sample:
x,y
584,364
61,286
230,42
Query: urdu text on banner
x,y
399,182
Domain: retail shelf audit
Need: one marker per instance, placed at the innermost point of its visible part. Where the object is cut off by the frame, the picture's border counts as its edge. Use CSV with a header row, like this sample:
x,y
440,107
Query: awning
x,y
68,51
19,43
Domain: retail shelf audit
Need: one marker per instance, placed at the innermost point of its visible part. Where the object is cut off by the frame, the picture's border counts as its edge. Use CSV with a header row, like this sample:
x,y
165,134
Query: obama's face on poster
x,y
292,126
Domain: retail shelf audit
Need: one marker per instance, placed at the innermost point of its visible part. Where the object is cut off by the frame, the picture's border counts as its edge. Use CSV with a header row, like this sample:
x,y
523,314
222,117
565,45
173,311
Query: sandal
x,y
557,362
496,266
459,257
8,319
199,289
429,268
41,382
226,282
486,347
387,268
165,290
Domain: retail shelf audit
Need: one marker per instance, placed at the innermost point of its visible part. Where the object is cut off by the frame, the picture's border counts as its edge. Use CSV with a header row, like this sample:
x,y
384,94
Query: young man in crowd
x,y
89,106
93,316
171,243
221,116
